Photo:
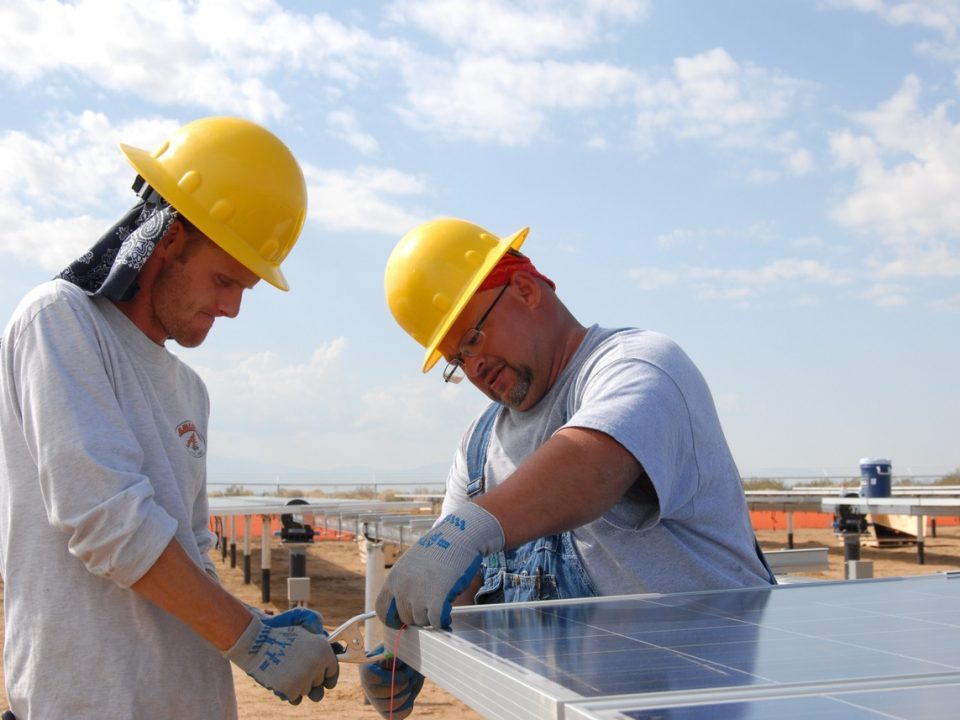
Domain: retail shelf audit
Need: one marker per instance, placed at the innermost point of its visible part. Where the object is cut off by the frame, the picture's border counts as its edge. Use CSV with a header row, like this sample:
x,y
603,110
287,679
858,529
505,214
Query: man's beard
x,y
518,393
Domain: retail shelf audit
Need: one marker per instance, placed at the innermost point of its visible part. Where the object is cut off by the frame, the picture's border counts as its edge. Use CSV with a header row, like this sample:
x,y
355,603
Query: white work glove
x,y
289,654
421,586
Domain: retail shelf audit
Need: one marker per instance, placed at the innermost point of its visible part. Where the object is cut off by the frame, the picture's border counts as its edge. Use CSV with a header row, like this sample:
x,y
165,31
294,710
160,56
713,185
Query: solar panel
x,y
813,648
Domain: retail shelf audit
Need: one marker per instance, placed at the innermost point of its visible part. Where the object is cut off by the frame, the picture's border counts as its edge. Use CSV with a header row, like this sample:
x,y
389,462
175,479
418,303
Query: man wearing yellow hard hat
x,y
599,469
112,604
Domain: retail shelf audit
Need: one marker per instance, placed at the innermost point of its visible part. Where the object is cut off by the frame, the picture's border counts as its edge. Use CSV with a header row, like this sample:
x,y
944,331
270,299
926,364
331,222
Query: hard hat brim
x,y
511,242
156,176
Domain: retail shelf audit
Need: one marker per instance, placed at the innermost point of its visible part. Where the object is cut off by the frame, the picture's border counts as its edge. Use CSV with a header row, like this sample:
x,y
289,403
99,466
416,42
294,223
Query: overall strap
x,y
477,449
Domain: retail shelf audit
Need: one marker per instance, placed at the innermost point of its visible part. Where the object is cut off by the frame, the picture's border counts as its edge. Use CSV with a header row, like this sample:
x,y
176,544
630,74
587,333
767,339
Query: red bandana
x,y
508,265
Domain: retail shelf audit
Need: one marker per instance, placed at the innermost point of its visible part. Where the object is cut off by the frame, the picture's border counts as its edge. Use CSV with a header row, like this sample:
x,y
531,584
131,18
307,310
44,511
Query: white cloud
x,y
652,278
940,15
271,389
214,54
677,236
415,400
319,414
598,142
70,162
48,244
494,99
930,260
885,295
712,96
69,168
496,80
354,200
72,182
773,273
699,238
518,30
488,98
907,164
800,162
713,283
345,125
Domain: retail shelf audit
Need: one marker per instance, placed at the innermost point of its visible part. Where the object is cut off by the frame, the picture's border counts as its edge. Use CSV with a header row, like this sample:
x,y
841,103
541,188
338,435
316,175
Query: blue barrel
x,y
875,477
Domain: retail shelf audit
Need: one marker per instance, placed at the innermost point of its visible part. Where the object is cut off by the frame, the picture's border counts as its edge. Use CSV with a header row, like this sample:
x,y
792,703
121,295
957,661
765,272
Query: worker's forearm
x,y
176,584
570,480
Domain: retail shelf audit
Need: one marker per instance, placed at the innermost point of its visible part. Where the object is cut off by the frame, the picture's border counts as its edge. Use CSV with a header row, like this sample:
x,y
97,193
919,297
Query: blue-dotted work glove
x,y
289,654
424,581
376,680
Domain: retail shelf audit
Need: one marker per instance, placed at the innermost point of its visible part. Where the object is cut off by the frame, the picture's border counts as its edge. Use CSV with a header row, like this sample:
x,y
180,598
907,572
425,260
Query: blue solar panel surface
x,y
840,635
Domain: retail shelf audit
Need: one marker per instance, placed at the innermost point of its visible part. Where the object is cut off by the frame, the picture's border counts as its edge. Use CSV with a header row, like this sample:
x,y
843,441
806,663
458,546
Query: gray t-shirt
x,y
642,390
102,463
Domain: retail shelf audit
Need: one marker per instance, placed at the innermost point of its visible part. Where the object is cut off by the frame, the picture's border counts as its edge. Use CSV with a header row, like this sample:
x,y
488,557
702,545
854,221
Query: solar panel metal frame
x,y
615,707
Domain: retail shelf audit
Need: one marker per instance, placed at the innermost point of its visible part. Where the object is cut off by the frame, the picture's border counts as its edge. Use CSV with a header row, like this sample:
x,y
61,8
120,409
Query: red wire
x,y
393,670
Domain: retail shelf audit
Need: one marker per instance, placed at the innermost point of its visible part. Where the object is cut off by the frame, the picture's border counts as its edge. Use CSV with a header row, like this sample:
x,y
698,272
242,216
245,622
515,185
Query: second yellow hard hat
x,y
434,271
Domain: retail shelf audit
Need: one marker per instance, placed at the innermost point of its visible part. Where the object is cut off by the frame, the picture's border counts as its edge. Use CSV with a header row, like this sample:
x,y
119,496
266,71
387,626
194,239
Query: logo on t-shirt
x,y
193,438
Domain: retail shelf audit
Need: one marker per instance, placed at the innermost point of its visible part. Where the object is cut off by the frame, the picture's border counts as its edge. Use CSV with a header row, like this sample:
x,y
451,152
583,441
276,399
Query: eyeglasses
x,y
470,344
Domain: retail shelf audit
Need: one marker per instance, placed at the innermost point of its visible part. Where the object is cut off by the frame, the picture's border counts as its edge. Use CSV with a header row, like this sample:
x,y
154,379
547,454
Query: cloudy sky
x,y
776,185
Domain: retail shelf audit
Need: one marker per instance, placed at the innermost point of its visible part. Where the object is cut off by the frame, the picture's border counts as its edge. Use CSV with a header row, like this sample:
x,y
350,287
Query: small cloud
x,y
758,176
940,15
928,261
800,162
739,284
71,183
675,238
649,278
598,143
520,30
885,295
263,385
344,125
358,200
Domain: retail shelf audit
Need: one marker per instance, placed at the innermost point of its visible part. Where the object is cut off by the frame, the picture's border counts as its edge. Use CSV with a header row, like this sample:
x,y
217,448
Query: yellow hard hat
x,y
434,271
237,183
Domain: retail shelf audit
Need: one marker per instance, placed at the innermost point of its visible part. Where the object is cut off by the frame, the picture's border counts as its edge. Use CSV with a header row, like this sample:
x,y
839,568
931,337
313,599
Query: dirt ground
x,y
337,590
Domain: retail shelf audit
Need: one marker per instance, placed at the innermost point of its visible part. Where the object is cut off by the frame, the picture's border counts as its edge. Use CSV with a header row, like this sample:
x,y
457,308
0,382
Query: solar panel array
x,y
866,649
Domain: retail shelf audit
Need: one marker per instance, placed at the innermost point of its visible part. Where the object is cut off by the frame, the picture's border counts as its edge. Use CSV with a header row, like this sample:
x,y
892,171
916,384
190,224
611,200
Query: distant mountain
x,y
224,472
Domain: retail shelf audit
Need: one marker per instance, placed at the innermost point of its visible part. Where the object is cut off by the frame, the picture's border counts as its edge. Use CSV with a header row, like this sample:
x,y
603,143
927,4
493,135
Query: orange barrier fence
x,y
777,520
761,520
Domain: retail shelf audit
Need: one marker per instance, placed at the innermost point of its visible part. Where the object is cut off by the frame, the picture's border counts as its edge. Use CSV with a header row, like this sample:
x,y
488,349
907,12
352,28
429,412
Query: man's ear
x,y
175,235
528,287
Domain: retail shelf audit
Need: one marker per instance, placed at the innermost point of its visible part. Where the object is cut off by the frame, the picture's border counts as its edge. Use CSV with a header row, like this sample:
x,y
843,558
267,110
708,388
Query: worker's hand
x,y
390,689
289,654
422,584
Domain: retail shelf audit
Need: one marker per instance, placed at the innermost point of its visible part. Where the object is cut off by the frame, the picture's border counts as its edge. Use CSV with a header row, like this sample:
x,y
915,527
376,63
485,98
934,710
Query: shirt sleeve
x,y
641,407
88,459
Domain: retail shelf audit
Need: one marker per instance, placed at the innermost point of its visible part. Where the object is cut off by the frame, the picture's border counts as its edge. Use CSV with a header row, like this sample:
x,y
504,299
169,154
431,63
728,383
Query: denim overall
x,y
544,569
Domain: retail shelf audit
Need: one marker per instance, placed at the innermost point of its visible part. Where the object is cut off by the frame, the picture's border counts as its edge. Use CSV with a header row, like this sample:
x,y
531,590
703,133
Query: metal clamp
x,y
350,638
